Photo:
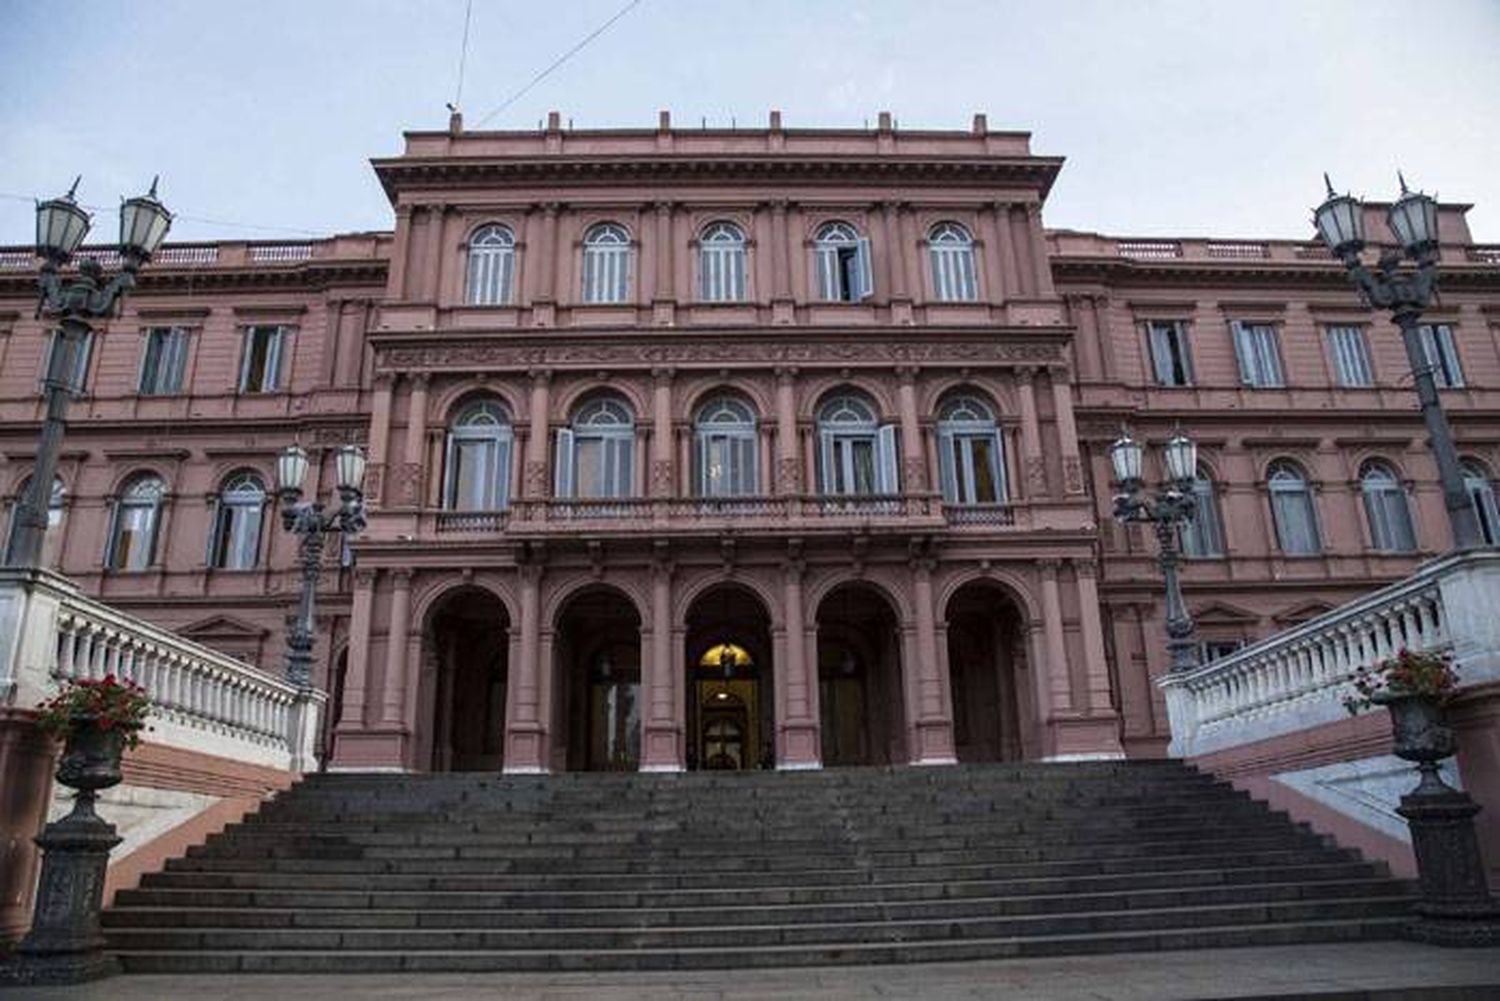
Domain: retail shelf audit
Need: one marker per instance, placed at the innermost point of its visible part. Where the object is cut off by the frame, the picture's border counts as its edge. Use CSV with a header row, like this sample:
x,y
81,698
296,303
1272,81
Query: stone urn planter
x,y
1420,734
91,757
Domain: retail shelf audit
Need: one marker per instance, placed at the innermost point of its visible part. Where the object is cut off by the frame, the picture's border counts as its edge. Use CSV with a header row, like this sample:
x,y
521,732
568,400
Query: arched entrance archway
x,y
467,637
988,675
597,672
861,702
731,722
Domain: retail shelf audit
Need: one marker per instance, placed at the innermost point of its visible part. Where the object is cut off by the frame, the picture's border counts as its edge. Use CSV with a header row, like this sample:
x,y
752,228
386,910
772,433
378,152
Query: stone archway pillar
x,y
526,702
798,740
661,721
932,712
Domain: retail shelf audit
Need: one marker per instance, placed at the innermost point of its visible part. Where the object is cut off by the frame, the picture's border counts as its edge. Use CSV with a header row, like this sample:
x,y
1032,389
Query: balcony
x,y
802,513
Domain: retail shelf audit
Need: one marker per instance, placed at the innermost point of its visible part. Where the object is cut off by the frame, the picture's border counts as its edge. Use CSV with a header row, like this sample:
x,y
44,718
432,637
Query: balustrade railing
x,y
202,700
1150,250
280,253
1238,250
979,514
526,514
1297,679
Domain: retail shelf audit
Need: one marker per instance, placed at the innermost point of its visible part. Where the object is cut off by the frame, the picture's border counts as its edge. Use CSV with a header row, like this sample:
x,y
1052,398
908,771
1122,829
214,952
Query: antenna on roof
x,y
463,58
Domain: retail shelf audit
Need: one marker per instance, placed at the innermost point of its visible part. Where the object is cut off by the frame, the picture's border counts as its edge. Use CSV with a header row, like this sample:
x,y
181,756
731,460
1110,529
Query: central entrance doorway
x,y
598,682
468,641
730,702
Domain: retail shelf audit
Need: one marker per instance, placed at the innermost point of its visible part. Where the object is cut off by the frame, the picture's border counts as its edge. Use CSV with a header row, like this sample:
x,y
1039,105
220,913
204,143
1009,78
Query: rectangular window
x,y
726,464
1351,356
74,376
1202,535
1259,355
163,361
1170,360
260,365
1212,650
970,468
1442,354
606,274
953,273
721,273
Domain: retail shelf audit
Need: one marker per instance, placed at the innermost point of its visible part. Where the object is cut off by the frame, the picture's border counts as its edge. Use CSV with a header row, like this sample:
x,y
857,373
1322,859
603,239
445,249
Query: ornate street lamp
x,y
308,521
1413,220
61,225
1172,506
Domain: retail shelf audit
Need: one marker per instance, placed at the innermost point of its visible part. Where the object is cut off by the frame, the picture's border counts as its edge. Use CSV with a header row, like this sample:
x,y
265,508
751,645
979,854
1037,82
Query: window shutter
x,y
1161,353
827,479
1244,351
946,472
214,530
1455,375
272,380
562,472
501,500
888,481
111,539
826,259
863,270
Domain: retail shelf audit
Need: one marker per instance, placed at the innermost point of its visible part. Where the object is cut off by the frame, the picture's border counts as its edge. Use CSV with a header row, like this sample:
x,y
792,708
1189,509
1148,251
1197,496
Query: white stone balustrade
x,y
1298,678
203,700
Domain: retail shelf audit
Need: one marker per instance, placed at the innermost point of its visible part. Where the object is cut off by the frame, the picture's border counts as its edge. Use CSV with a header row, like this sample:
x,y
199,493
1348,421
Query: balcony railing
x,y
1297,679
1150,250
202,700
696,512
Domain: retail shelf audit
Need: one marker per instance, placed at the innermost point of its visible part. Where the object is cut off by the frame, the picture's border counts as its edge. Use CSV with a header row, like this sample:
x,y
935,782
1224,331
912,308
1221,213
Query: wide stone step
x,y
1345,873
729,913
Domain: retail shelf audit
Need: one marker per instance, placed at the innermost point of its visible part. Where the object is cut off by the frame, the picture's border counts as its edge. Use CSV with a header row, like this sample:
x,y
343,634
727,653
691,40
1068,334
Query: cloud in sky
x,y
1176,116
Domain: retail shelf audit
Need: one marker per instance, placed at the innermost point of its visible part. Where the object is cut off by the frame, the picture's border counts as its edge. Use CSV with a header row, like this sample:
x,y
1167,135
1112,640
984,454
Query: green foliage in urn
x,y
106,704
1422,674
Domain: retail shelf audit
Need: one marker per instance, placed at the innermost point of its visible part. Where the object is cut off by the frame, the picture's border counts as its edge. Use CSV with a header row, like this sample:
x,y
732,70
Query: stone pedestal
x,y
65,944
1456,908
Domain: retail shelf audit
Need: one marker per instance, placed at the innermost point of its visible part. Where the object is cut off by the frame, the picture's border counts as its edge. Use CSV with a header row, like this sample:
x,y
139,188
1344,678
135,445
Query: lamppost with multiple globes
x,y
61,225
1413,220
310,523
1167,511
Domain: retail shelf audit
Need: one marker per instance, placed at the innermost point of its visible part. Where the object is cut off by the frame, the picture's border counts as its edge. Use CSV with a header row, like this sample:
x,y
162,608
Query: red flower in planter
x,y
106,703
1425,674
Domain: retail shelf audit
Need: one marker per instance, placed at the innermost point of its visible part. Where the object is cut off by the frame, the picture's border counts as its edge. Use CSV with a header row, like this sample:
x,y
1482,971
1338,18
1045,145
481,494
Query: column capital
x,y
1085,567
540,376
1049,565
663,375
401,577
364,579
786,374
384,379
1025,374
908,373
419,380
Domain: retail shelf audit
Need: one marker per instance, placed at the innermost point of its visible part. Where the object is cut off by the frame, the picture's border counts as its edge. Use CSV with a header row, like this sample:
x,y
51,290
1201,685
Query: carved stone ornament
x,y
788,475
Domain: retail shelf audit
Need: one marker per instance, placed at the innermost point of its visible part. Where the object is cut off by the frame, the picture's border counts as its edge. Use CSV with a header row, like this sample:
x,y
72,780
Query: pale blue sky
x,y
1184,117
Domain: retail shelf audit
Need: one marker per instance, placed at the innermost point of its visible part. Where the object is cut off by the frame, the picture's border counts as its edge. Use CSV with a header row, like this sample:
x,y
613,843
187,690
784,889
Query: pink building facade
x,y
734,449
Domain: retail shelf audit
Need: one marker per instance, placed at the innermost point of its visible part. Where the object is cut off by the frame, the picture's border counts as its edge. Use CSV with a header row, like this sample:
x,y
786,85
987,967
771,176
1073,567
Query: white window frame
x,y
482,430
140,502
268,379
842,261
1202,535
964,422
1171,358
1387,511
1257,346
56,510
608,426
722,263
164,353
1291,497
848,430
1441,353
950,251
238,523
492,266
607,263
1350,351
1481,489
725,449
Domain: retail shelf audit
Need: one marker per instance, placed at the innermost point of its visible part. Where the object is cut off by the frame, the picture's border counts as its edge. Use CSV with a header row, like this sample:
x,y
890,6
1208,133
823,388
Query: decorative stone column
x,y
357,674
380,435
800,742
788,459
525,730
662,485
535,486
913,455
1033,465
1067,430
660,746
934,721
393,685
1055,667
410,478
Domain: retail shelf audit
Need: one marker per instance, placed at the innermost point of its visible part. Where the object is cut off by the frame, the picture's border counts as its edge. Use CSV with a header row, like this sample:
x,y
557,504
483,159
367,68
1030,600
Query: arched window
x,y
1203,534
721,263
724,448
857,454
595,456
970,456
606,263
1386,509
843,260
55,507
1481,488
476,465
238,515
1292,510
952,252
492,266
132,538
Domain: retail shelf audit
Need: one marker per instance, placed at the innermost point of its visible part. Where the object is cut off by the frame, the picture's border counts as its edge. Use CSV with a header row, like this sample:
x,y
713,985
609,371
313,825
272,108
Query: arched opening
x,y
731,718
988,675
334,708
861,702
468,640
597,672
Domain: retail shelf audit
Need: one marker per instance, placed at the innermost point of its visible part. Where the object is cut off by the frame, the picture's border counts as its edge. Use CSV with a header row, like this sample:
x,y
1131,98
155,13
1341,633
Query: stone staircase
x,y
368,873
